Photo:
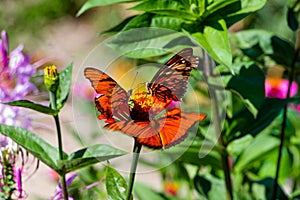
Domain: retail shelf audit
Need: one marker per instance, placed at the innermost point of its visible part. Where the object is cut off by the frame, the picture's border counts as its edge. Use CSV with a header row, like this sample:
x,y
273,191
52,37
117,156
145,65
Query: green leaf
x,y
63,90
145,192
89,156
143,42
268,183
35,145
292,19
210,187
259,43
249,84
94,3
245,7
149,20
214,39
243,122
167,7
202,185
37,107
192,156
222,8
256,151
116,185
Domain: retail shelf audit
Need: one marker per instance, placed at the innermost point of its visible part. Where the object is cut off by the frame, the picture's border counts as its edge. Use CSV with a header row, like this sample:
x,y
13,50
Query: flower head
x,y
278,88
171,188
58,195
151,116
15,73
51,78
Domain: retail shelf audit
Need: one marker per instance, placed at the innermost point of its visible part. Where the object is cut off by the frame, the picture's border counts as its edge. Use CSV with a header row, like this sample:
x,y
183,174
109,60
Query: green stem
x,y
208,72
224,156
284,118
60,145
135,157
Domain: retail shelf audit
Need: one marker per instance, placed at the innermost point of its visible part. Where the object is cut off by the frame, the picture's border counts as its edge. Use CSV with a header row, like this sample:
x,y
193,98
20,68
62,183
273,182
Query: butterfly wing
x,y
165,132
171,79
112,99
171,129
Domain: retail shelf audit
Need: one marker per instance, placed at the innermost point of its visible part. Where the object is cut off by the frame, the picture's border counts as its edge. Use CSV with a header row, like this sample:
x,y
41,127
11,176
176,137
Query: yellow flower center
x,y
140,104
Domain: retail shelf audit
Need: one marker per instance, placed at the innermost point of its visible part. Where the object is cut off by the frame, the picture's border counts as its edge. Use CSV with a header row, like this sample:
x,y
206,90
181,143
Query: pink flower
x,y
84,91
278,88
15,73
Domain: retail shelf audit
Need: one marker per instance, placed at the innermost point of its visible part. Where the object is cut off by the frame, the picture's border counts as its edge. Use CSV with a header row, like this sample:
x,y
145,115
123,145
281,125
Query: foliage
x,y
235,154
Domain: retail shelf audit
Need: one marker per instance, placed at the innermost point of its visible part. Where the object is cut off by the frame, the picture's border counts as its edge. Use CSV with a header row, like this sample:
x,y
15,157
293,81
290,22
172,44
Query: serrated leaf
x,y
35,145
63,90
89,156
37,107
95,3
249,84
116,185
214,39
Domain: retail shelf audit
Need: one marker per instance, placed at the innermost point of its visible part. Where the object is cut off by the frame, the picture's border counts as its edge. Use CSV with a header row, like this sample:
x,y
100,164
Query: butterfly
x,y
151,116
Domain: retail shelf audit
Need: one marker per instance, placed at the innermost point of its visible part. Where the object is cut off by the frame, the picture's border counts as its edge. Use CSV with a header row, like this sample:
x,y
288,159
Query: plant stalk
x,y
135,157
208,72
60,145
224,156
284,118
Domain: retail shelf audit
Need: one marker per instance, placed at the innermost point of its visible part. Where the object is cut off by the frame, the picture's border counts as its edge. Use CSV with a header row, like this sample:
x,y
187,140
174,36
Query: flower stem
x,y
60,145
284,118
135,157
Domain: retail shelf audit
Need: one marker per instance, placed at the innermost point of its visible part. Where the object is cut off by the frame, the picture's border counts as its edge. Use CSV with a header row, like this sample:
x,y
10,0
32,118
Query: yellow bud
x,y
51,78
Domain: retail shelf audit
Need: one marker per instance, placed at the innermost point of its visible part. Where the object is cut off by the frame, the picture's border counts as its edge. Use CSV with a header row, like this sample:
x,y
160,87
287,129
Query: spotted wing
x,y
171,79
112,99
167,131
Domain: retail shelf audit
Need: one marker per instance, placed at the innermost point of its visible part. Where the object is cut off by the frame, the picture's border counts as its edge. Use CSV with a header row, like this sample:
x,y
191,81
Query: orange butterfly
x,y
150,117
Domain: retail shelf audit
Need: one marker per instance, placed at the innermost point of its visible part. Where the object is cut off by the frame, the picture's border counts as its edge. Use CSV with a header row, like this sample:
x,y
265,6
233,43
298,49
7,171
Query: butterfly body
x,y
146,115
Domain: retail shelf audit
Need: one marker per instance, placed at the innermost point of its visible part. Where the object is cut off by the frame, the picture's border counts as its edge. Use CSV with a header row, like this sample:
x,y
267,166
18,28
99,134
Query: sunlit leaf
x,y
63,90
143,42
167,7
116,185
214,39
94,3
37,107
256,151
35,145
90,155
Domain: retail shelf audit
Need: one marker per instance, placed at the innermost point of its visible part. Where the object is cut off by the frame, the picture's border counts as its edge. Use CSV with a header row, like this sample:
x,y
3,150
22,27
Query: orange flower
x,y
171,188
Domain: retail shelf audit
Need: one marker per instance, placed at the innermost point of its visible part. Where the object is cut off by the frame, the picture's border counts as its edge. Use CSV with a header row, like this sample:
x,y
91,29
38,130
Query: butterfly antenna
x,y
134,79
131,86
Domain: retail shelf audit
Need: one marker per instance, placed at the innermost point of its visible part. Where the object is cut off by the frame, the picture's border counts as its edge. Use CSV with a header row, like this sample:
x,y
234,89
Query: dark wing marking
x,y
112,99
